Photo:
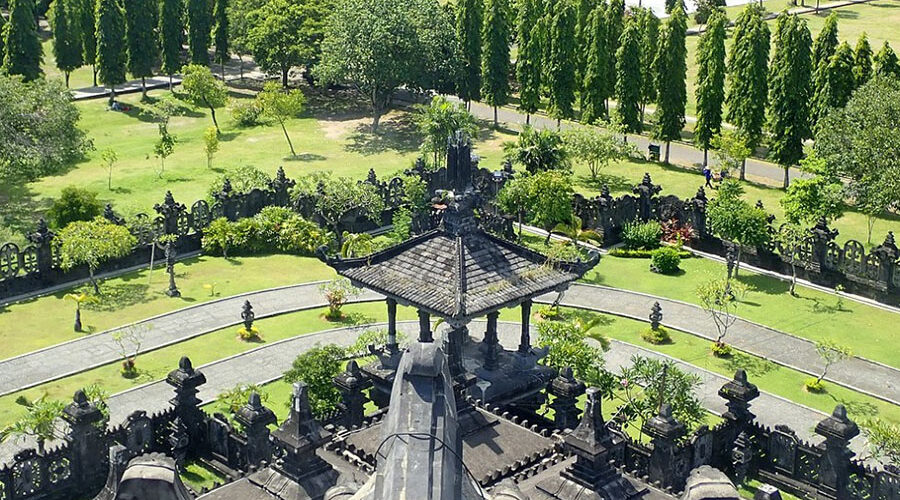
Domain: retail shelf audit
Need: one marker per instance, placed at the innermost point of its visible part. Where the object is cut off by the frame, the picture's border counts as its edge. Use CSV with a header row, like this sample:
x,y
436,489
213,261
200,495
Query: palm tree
x,y
79,299
575,231
39,422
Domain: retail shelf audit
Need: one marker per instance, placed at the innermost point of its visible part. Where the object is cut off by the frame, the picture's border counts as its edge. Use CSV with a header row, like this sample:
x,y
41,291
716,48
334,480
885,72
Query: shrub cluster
x,y
274,229
246,113
643,254
73,204
812,384
721,349
641,235
665,260
657,336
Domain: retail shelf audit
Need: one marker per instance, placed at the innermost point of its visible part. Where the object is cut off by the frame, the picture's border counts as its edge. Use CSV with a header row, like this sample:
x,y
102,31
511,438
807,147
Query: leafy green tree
x,y
528,62
110,158
550,200
883,439
823,49
859,143
239,25
538,150
789,92
203,89
514,196
316,368
561,64
210,145
281,105
22,51
47,137
111,47
648,381
163,148
569,347
747,84
495,55
336,197
886,62
199,24
710,82
143,46
66,37
378,45
74,204
720,298
221,33
284,34
791,237
596,85
650,40
596,147
628,79
92,243
171,35
733,219
87,28
670,79
469,26
808,200
38,422
862,61
831,353
731,150
437,121
839,81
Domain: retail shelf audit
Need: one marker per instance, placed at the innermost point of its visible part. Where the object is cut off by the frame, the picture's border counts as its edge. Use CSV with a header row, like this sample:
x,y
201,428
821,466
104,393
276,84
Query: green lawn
x,y
812,314
47,320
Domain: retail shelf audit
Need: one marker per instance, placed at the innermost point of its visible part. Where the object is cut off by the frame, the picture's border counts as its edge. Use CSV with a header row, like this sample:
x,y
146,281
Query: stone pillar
x,y
525,339
170,270
247,315
425,327
189,417
351,383
228,200
664,431
281,188
86,440
821,236
698,213
834,468
255,418
655,315
170,210
456,337
565,391
299,436
889,253
491,341
645,191
110,215
739,393
392,345
41,238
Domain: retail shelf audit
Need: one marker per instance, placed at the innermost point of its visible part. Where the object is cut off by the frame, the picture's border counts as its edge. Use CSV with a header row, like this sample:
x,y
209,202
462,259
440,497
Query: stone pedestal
x,y
255,418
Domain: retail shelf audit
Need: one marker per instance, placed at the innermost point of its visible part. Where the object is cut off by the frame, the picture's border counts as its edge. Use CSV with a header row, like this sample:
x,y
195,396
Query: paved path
x,y
62,360
267,363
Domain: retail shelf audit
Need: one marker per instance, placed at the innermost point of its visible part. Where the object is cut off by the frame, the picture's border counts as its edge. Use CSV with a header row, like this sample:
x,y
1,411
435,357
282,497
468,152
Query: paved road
x,y
79,355
269,362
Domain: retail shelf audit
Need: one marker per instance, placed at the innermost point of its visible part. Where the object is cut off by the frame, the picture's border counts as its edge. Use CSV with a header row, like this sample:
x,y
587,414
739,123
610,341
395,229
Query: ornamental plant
x,y
337,292
665,260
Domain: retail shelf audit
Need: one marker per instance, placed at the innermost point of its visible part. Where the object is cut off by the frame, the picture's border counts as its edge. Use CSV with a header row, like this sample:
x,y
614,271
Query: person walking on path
x,y
707,173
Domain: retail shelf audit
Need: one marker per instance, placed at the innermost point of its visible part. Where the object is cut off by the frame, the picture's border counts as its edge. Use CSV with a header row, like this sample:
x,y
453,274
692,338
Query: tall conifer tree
x,y
469,22
885,62
628,78
597,82
839,81
615,25
710,81
495,60
171,17
88,30
22,51
789,87
583,11
2,38
823,48
649,24
670,79
862,61
199,29
528,62
221,34
562,64
66,37
111,49
747,89
143,50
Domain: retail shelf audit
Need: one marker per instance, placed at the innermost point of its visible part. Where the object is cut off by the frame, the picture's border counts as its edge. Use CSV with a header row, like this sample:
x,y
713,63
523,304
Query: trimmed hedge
x,y
274,229
665,260
644,254
656,337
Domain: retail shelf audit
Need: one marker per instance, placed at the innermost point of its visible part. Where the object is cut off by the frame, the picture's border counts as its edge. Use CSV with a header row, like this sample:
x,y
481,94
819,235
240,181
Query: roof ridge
x,y
461,283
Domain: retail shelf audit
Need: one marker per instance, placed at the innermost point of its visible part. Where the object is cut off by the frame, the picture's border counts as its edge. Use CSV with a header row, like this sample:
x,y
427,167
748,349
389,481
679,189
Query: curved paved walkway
x,y
268,362
82,354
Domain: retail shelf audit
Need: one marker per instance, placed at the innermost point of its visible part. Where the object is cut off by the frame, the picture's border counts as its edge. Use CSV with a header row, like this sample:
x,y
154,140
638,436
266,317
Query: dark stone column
x,y
281,187
256,418
425,327
352,382
86,441
491,341
187,425
565,390
299,437
525,339
665,432
41,239
453,347
392,345
739,393
834,468
170,210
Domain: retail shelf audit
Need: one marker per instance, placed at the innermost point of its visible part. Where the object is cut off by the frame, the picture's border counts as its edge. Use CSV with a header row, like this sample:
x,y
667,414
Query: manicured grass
x,y
47,320
198,476
812,314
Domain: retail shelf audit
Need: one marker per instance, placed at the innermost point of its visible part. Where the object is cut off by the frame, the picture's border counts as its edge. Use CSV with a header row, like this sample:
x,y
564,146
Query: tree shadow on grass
x,y
764,284
305,157
585,316
352,319
613,182
118,295
859,409
399,134
755,367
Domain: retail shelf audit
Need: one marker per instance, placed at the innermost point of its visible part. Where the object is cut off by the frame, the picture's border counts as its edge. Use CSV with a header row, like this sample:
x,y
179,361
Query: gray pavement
x,y
268,362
